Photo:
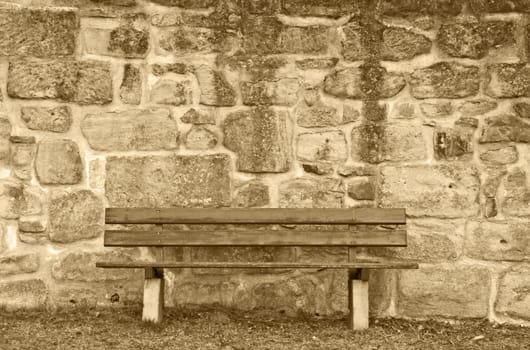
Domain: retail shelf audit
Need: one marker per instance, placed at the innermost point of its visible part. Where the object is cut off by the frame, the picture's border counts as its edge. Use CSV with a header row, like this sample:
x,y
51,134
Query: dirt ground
x,y
219,328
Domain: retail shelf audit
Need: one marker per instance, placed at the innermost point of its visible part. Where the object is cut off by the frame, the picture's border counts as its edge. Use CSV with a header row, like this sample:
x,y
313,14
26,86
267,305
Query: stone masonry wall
x,y
268,103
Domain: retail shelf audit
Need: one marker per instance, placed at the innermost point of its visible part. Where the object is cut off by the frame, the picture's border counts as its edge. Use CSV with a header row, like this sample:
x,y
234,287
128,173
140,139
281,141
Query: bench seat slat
x,y
376,216
366,264
353,237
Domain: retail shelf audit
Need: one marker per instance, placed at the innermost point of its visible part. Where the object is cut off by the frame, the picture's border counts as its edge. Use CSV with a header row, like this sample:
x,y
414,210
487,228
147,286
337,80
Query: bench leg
x,y
358,299
153,295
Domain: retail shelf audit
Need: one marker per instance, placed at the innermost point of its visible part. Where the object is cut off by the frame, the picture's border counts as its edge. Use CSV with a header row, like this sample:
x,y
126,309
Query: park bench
x,y
365,229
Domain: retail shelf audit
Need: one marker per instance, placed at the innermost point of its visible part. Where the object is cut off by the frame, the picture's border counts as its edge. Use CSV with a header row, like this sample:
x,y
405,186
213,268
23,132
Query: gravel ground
x,y
227,329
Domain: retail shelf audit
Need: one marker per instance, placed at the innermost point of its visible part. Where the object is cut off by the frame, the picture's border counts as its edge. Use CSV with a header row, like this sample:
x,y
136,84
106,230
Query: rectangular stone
x,y
168,181
49,32
83,82
14,264
282,92
440,191
23,294
498,240
320,8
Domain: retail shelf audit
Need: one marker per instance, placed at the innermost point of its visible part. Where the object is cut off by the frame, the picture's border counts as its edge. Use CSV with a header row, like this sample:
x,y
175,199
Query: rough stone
x,y
498,240
430,241
200,137
317,63
319,168
215,89
92,8
443,190
170,92
130,40
318,8
14,264
317,115
21,156
474,40
459,291
396,44
356,170
310,193
436,109
259,137
131,85
496,6
196,117
516,193
282,92
136,129
402,8
499,154
84,82
11,197
453,143
81,267
361,189
186,40
322,146
467,122
251,194
36,32
267,35
476,107
168,181
75,215
522,109
508,80
33,224
23,294
404,110
445,80
505,128
54,119
378,142
349,114
177,68
349,83
58,162
513,298
5,131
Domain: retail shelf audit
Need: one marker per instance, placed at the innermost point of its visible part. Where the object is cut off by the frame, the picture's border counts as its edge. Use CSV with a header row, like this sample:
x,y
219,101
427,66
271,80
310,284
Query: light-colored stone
x,y
259,137
58,162
476,107
282,92
513,298
14,264
505,128
75,215
170,92
54,119
516,193
194,116
215,89
200,137
23,294
311,193
498,154
251,194
135,129
316,115
22,154
459,291
436,109
441,190
322,146
5,131
166,181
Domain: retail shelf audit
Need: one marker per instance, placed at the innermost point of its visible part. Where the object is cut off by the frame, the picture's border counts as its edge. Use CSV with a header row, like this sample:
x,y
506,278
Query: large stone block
x,y
259,137
322,146
498,240
320,8
171,92
23,294
37,32
508,80
267,35
14,264
474,40
445,80
311,193
83,82
283,92
363,82
459,291
81,267
75,215
378,142
498,154
168,181
138,129
505,128
513,298
58,162
441,190
215,89
54,119
189,40
516,193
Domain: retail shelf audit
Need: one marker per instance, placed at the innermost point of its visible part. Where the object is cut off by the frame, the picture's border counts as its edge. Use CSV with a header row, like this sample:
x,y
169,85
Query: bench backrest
x,y
363,229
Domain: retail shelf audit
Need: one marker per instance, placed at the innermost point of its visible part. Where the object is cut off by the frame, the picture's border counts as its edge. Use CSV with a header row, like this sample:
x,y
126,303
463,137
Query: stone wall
x,y
268,103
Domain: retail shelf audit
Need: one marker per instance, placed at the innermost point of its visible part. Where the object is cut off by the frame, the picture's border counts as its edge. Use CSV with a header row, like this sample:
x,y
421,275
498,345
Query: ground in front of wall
x,y
227,329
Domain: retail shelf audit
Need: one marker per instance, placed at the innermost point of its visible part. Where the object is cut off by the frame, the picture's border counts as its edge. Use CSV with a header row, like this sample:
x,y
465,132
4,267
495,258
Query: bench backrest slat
x,y
373,216
358,236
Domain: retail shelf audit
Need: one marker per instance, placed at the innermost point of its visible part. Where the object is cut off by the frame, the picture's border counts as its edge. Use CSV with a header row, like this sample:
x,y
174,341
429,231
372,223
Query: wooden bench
x,y
368,234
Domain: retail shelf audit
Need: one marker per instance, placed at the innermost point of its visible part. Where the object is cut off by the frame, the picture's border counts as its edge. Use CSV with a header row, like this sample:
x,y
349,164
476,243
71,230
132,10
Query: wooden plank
x,y
254,216
358,303
366,264
353,237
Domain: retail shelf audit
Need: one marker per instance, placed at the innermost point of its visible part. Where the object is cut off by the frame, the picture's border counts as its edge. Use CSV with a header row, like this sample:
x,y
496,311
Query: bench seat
x,y
342,227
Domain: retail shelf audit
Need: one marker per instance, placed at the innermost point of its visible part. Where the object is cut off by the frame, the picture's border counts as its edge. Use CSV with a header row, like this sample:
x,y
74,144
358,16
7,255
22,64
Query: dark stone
x,y
131,85
320,8
522,109
453,143
508,80
196,117
505,128
400,8
497,6
361,189
252,194
129,41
